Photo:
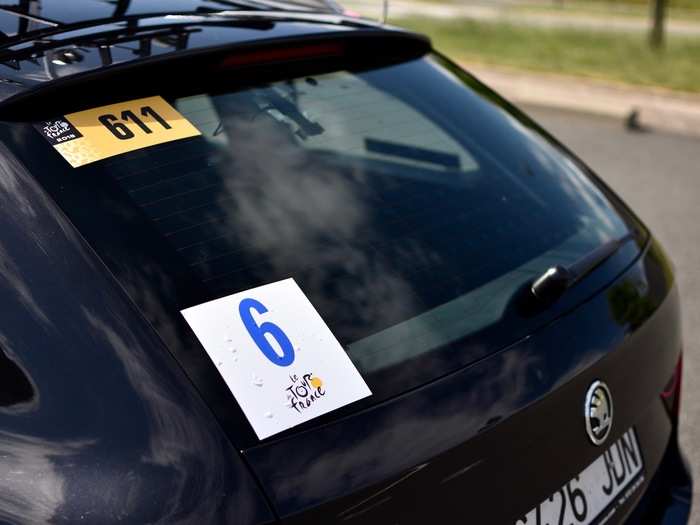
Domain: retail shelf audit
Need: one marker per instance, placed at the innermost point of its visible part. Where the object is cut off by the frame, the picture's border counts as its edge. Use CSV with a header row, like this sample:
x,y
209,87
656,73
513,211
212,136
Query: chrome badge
x,y
598,412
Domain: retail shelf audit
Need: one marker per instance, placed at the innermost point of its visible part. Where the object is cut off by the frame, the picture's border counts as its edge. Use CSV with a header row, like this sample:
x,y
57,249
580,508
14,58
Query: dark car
x,y
264,262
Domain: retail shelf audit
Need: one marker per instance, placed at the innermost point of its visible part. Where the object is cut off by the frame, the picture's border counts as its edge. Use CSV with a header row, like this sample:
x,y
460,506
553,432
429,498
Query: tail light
x,y
284,54
671,394
352,13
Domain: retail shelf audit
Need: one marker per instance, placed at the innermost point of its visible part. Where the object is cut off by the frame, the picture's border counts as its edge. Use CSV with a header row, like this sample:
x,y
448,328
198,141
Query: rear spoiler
x,y
187,71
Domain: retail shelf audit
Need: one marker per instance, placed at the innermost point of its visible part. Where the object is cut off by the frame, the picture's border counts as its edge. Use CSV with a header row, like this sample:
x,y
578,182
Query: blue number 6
x,y
257,333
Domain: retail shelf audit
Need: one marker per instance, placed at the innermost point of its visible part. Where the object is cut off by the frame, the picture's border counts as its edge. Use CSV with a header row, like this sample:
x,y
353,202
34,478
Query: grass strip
x,y
619,57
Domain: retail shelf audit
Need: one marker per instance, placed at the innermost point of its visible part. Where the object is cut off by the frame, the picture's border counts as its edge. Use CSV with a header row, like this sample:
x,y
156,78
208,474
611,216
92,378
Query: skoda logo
x,y
598,412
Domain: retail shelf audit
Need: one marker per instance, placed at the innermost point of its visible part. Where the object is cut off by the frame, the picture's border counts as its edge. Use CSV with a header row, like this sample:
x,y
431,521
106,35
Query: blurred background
x,y
641,42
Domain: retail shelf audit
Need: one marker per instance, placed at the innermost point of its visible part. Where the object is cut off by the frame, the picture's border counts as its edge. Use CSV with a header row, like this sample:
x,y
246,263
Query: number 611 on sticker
x,y
122,131
95,134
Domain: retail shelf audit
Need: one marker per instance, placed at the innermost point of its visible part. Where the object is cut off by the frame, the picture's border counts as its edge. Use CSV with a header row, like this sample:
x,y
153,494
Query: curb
x,y
655,108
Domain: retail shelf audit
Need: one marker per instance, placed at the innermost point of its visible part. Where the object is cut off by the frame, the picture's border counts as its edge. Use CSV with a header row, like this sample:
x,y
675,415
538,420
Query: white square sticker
x,y
279,359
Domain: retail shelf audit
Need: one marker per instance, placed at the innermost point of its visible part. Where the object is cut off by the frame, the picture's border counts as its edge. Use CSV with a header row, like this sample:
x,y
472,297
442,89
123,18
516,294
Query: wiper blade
x,y
548,287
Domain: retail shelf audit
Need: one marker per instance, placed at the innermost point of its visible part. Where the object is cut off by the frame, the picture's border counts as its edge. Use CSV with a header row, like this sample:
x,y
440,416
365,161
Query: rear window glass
x,y
409,209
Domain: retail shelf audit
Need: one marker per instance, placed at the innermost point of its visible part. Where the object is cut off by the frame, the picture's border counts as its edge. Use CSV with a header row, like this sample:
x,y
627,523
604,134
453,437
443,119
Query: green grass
x,y
612,56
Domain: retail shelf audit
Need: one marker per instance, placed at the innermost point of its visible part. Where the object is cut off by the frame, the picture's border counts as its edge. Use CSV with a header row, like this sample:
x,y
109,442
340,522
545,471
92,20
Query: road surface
x,y
658,175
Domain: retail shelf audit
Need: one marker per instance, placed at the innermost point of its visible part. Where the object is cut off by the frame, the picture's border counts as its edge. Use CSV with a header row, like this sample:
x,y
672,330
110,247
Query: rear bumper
x,y
667,498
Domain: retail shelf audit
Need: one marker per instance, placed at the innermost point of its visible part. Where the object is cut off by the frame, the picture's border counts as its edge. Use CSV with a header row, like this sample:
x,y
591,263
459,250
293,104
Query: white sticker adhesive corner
x,y
278,357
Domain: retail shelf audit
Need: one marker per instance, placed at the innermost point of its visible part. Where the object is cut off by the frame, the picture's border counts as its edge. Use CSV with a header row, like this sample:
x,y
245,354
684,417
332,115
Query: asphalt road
x,y
658,175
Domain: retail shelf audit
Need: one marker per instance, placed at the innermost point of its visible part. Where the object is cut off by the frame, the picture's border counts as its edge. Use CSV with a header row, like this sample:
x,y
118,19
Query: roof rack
x,y
31,24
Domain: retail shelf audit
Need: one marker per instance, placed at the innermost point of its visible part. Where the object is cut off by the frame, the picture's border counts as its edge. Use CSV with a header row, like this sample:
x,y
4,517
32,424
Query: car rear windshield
x,y
407,202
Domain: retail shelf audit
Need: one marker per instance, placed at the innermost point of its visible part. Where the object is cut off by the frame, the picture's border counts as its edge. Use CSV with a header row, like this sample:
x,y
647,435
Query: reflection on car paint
x,y
113,418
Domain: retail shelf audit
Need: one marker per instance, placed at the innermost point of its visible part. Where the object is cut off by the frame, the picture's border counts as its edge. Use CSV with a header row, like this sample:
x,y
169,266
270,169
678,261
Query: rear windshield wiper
x,y
549,286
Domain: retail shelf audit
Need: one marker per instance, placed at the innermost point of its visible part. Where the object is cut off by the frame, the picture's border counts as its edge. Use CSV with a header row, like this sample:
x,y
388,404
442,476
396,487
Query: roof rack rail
x,y
31,24
22,12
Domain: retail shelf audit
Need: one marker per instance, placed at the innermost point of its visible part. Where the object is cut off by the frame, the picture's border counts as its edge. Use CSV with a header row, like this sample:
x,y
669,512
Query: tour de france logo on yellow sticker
x,y
95,134
277,356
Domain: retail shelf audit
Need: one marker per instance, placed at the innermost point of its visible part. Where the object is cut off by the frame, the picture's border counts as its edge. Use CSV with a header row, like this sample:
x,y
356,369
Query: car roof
x,y
28,16
43,42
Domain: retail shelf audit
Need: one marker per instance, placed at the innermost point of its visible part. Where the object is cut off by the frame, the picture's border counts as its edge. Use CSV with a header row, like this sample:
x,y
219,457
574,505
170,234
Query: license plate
x,y
595,494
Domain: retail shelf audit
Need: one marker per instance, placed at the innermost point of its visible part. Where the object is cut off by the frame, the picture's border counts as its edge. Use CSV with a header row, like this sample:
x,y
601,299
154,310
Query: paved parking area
x,y
658,174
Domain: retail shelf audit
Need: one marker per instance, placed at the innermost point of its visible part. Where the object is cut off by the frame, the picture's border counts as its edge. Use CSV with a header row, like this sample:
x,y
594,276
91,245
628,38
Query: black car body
x,y
110,409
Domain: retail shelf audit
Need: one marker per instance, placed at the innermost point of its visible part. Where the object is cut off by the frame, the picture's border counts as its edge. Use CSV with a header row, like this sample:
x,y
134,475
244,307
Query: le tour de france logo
x,y
304,391
57,131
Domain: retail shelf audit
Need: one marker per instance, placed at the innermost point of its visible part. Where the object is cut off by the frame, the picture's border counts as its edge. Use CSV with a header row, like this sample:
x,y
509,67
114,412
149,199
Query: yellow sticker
x,y
95,134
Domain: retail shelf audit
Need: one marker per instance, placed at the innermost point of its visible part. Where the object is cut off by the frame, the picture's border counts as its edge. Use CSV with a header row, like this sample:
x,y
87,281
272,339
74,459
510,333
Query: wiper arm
x,y
548,287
